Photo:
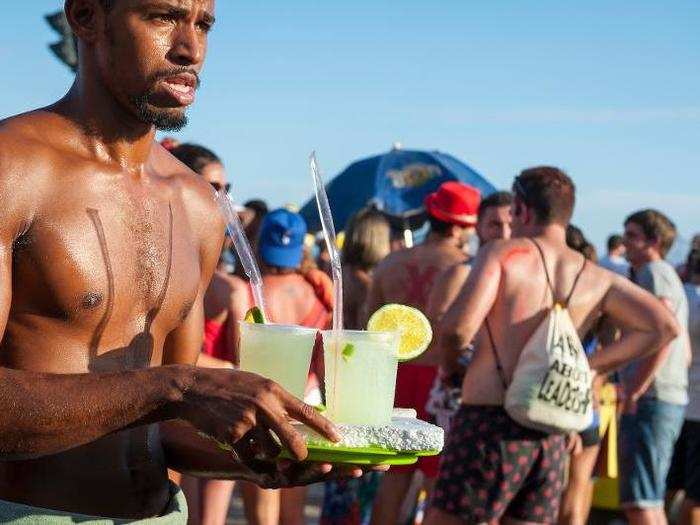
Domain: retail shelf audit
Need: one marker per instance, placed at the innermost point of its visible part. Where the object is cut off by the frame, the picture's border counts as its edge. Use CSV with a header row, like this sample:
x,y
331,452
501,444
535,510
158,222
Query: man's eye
x,y
204,27
163,17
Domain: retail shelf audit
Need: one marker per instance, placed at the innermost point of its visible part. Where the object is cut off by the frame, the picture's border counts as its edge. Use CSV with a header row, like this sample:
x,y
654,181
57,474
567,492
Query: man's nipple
x,y
91,300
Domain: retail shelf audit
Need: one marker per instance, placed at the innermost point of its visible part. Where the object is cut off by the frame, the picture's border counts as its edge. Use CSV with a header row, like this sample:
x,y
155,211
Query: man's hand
x,y
229,405
285,473
189,452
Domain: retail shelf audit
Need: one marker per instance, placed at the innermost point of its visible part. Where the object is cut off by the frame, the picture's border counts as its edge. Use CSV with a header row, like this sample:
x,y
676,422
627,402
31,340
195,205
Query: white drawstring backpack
x,y
551,386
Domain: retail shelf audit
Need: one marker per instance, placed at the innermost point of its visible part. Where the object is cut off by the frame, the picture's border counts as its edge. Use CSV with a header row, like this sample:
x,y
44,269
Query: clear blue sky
x,y
610,91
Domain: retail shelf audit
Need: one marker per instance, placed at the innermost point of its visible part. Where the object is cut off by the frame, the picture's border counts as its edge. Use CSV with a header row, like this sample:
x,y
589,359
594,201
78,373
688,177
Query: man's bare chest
x,y
101,260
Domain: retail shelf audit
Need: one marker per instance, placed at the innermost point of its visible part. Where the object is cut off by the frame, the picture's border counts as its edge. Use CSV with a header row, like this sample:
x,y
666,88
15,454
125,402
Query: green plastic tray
x,y
361,456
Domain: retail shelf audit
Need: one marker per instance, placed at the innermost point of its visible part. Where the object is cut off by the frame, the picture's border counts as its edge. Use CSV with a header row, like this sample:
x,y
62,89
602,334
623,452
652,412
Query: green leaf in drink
x,y
348,351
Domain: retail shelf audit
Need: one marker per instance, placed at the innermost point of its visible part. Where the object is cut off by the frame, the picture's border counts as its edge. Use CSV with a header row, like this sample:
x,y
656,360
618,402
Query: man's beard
x,y
164,119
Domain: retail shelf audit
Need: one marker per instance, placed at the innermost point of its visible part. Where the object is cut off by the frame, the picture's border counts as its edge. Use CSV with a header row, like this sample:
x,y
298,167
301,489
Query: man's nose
x,y
187,47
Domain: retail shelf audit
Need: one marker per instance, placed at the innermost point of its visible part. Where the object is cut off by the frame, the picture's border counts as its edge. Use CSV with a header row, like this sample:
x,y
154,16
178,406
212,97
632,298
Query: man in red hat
x,y
406,277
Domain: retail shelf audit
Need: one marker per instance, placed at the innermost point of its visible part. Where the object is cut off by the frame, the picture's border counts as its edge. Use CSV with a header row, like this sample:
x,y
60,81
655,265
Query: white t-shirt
x,y
692,291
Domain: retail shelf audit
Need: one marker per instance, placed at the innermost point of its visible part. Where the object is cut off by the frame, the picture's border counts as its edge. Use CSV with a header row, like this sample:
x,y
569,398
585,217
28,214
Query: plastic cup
x,y
279,352
361,378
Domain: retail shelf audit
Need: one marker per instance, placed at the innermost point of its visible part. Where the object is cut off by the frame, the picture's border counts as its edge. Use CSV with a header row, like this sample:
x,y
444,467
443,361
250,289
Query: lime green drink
x,y
279,352
361,376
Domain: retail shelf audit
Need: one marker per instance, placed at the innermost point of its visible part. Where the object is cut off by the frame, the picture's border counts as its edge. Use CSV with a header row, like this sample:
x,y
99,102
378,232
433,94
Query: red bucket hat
x,y
454,202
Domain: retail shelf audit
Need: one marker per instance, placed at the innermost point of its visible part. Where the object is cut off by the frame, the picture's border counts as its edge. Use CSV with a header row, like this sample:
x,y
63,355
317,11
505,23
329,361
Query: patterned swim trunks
x,y
493,466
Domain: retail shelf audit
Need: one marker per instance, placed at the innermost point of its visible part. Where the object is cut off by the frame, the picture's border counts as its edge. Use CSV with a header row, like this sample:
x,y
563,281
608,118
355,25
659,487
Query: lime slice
x,y
413,326
254,316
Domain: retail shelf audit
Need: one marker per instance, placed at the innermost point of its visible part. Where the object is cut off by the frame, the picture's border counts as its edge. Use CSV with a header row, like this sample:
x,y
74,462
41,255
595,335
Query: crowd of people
x,y
120,394
529,256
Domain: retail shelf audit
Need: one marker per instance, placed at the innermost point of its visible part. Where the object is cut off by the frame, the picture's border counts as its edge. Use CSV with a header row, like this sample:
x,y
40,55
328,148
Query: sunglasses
x,y
218,187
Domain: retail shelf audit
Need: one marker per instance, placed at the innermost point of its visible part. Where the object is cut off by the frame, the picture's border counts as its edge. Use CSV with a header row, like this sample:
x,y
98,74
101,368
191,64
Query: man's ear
x,y
84,17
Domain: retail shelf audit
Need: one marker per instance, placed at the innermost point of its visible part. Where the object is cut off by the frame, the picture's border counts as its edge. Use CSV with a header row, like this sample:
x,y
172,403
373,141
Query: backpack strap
x,y
546,272
571,293
499,367
549,280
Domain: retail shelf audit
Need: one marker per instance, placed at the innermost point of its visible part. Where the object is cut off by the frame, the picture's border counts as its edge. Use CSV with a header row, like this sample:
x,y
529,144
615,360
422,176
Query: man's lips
x,y
181,88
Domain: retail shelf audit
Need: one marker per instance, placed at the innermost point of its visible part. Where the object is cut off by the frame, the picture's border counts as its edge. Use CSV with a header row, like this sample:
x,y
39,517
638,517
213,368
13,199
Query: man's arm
x,y
43,414
648,366
647,325
465,316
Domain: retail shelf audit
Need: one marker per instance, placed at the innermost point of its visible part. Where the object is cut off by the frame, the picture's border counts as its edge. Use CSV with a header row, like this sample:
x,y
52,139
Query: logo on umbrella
x,y
413,175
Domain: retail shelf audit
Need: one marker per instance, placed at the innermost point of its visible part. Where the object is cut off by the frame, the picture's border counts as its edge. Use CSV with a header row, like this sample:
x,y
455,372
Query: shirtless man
x,y
493,468
406,277
107,244
493,222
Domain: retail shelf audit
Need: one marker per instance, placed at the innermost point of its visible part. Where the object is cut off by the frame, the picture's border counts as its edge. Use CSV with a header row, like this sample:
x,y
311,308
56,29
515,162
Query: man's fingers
x,y
306,414
290,438
263,445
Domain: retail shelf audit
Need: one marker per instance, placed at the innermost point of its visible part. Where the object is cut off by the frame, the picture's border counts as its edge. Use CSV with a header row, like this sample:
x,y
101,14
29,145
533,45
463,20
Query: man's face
x,y
150,56
520,218
495,223
637,245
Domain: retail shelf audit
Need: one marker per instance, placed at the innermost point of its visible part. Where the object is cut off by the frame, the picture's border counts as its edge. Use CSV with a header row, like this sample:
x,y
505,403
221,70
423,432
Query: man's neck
x,y
649,257
442,240
554,233
110,133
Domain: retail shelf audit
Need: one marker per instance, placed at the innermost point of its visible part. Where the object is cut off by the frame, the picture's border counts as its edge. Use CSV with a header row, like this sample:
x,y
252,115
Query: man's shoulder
x,y
660,278
198,197
25,142
28,161
391,260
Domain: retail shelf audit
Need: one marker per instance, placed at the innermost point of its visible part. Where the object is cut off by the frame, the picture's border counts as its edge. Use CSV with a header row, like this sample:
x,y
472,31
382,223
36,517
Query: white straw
x,y
240,242
324,210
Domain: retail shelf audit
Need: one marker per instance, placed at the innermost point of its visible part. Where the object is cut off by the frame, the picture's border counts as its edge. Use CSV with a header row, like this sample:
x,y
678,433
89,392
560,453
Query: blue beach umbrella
x,y
396,183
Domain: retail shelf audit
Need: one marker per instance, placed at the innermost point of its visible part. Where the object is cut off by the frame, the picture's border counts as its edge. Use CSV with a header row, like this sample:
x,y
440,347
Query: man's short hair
x,y
439,227
548,191
656,226
614,242
495,200
194,156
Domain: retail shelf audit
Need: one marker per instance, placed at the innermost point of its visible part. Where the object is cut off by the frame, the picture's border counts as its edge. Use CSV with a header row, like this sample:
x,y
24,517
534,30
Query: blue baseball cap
x,y
281,241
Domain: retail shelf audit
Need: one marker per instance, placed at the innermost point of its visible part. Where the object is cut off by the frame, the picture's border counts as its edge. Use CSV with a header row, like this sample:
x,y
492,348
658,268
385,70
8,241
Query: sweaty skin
x,y
507,283
107,244
494,223
407,277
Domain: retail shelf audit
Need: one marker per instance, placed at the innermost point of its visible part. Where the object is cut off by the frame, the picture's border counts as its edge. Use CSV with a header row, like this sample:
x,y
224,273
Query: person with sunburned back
x,y
493,222
495,469
107,245
407,277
